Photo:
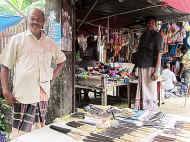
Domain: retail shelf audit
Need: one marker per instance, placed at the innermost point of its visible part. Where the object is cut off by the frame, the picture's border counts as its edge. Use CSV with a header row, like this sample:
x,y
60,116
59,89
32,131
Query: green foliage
x,y
4,112
6,9
38,4
21,5
25,4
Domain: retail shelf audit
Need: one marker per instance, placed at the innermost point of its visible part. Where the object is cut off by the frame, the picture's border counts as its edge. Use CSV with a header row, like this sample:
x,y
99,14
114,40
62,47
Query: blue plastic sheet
x,y
7,21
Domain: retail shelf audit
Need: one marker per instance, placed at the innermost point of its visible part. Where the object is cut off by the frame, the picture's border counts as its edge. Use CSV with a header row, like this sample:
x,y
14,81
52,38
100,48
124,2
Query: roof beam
x,y
86,16
153,2
125,12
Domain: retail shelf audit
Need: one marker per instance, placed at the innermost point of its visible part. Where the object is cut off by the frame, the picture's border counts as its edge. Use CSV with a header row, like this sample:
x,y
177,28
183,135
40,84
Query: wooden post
x,y
104,91
61,98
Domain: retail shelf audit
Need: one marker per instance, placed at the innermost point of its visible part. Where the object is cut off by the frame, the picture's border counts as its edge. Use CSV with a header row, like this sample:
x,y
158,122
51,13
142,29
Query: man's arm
x,y
159,47
8,60
5,88
57,70
60,58
158,63
181,69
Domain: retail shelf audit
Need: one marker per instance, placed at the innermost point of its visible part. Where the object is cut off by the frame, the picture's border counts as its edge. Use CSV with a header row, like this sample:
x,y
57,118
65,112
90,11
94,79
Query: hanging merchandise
x,y
181,33
186,26
172,32
173,49
109,52
66,32
176,34
187,38
101,45
118,48
125,51
164,34
82,41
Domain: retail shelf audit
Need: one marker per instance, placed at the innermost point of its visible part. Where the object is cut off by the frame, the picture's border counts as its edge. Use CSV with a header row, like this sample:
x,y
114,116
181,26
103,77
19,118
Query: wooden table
x,y
101,83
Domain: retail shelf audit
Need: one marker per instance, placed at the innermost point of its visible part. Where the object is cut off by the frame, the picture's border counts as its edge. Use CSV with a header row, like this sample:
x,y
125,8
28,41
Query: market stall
x,y
116,27
108,79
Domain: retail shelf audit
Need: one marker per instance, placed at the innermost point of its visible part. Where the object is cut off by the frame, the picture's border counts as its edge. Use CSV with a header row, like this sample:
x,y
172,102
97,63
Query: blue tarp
x,y
7,21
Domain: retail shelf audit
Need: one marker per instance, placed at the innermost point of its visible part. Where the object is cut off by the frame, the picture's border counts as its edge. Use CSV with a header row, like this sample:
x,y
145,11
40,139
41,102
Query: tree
x,y
19,7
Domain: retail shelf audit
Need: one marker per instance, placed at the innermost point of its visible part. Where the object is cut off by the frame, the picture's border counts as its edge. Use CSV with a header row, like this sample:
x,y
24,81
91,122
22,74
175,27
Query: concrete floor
x,y
177,105
173,105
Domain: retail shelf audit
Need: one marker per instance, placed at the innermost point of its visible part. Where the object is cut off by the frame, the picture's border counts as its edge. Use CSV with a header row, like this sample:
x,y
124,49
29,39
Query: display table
x,y
169,128
101,83
44,135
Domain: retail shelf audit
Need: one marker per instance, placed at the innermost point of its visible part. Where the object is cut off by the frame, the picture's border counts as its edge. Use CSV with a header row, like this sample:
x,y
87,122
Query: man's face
x,y
35,21
151,24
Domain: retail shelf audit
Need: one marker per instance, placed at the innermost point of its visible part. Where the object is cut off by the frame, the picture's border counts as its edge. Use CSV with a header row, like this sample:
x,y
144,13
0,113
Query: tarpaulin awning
x,y
122,13
181,5
8,21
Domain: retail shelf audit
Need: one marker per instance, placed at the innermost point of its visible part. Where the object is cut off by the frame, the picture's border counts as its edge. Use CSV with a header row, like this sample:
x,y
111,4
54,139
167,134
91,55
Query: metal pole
x,y
126,12
85,17
74,38
94,25
108,34
91,24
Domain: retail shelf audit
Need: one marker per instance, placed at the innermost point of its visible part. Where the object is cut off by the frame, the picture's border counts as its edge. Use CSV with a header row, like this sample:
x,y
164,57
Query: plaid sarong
x,y
25,115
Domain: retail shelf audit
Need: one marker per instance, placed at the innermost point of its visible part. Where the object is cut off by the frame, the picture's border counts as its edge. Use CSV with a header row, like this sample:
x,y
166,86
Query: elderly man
x,y
32,55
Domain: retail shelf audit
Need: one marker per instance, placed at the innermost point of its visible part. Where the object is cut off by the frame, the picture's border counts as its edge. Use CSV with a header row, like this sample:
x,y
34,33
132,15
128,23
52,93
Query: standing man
x,y
148,61
31,54
184,72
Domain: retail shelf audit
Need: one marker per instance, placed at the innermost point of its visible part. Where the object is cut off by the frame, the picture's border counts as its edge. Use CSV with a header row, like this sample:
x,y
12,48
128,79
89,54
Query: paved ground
x,y
176,105
173,105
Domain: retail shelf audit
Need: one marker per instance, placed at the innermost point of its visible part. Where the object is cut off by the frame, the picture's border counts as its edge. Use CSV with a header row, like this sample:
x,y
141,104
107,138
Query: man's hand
x,y
4,82
9,98
155,74
57,70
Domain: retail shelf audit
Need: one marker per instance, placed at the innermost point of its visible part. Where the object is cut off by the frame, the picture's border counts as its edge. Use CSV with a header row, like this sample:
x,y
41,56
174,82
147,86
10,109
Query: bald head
x,y
36,19
37,12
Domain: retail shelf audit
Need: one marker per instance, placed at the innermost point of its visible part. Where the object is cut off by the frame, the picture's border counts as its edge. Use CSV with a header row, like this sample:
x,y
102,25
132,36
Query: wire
x,y
125,12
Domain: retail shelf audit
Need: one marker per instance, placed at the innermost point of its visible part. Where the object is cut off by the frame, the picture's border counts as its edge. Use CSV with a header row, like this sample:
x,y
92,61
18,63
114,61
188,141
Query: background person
x,y
148,61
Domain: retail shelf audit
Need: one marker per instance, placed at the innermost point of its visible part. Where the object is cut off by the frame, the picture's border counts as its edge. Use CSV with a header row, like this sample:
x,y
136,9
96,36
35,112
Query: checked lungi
x,y
25,115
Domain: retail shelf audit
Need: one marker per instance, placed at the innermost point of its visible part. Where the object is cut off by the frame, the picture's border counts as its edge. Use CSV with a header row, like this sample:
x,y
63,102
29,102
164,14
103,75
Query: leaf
x,y
21,5
6,9
15,3
39,4
25,4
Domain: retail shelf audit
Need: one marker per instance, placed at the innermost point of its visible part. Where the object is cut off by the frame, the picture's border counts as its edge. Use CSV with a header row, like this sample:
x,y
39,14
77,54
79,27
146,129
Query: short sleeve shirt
x,y
32,61
186,60
169,79
151,43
